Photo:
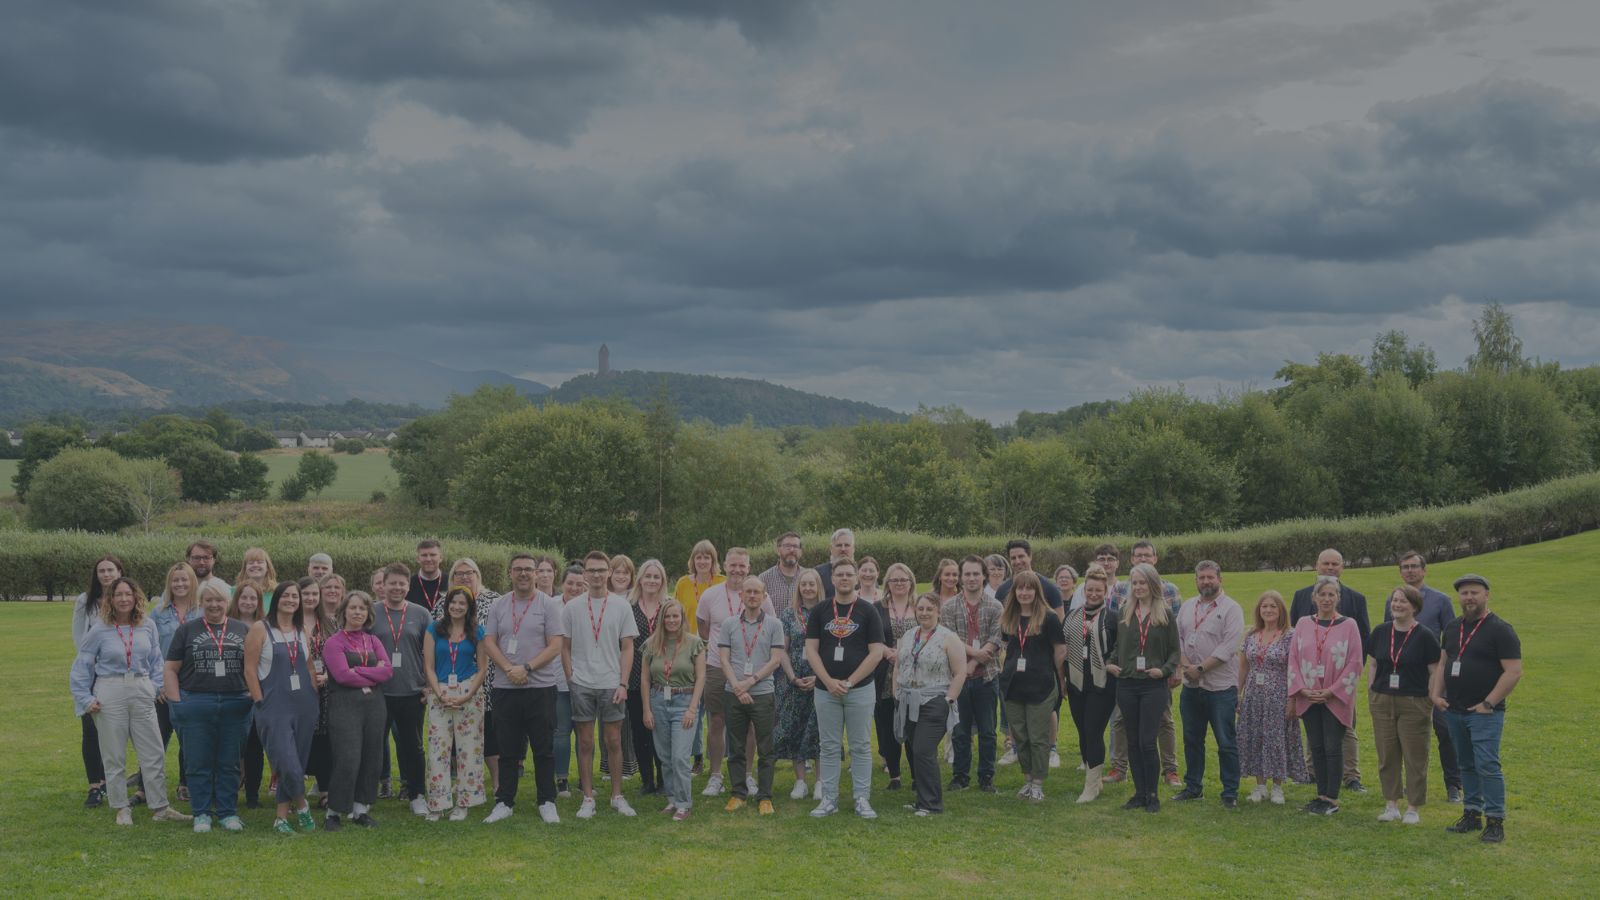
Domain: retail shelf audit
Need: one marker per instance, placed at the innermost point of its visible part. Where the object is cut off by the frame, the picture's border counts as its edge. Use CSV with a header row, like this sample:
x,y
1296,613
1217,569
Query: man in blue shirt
x,y
1437,611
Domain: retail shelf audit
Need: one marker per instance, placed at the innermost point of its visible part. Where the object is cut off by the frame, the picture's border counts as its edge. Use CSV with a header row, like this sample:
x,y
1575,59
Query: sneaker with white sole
x,y
459,814
1055,759
1277,794
750,786
586,809
620,804
419,806
169,814
547,812
1390,814
1025,790
232,823
713,785
827,808
500,812
431,817
1258,795
816,792
949,754
864,809
202,823
1009,758
799,792
125,816
1411,818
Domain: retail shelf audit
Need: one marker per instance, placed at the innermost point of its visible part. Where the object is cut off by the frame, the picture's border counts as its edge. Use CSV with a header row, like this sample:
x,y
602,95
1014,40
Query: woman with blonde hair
x,y
997,572
898,610
256,568
671,678
1147,655
1031,678
705,572
794,731
648,598
180,600
1269,738
204,684
1091,634
322,623
946,580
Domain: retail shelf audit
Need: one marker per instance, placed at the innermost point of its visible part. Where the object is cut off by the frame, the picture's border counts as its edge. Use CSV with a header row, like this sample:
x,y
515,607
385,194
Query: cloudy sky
x,y
1006,205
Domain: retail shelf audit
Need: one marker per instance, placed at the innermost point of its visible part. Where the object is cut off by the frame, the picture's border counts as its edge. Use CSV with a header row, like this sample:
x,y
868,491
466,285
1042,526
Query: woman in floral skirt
x,y
1269,739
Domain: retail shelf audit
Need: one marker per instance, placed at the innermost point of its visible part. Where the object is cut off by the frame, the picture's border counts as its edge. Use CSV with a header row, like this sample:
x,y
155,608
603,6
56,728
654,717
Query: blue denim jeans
x,y
212,728
1476,737
976,711
1216,709
673,745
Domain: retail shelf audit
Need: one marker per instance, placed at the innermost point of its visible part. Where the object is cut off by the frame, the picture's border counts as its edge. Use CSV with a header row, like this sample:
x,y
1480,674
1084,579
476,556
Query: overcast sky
x,y
1003,205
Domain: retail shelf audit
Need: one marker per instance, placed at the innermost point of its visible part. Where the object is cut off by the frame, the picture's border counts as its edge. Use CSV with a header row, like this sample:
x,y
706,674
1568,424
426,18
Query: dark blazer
x,y
1351,604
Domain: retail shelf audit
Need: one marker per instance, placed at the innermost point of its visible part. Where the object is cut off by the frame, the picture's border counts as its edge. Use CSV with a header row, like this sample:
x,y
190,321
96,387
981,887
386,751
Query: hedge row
x,y
1550,510
58,564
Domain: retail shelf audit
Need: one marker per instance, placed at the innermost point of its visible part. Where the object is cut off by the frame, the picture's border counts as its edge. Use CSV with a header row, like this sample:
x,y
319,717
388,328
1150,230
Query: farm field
x,y
359,475
8,468
989,844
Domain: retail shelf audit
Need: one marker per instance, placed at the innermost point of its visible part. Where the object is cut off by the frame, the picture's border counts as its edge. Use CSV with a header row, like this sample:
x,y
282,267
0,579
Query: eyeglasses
x,y
899,581
200,558
526,570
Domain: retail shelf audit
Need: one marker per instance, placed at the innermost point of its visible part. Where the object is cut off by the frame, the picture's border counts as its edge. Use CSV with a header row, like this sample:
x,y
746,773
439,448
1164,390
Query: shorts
x,y
716,693
589,704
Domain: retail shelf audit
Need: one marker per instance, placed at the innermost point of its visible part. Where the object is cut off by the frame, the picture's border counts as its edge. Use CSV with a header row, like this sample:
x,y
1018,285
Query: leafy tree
x,y
427,454
1392,352
730,485
250,478
661,430
1158,481
251,439
571,477
966,438
39,443
208,474
226,427
1386,448
317,471
157,435
292,489
1499,349
150,489
901,476
1281,474
1038,488
352,446
1507,431
1311,388
81,488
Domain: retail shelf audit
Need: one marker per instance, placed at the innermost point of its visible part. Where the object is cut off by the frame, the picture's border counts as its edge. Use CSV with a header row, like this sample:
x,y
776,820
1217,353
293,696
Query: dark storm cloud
x,y
757,20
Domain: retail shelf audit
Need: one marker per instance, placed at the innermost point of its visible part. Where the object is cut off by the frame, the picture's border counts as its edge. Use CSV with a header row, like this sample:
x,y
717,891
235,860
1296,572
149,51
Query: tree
x,y
966,438
157,435
571,477
316,471
250,478
208,474
39,443
352,446
730,485
150,489
427,455
1281,472
1499,348
1507,431
80,488
292,489
661,431
1038,487
1386,449
226,428
1392,352
252,439
1158,481
1311,388
901,476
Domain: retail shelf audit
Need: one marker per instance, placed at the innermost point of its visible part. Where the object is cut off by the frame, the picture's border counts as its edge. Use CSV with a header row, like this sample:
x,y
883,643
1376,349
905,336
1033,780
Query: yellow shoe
x,y
734,804
765,808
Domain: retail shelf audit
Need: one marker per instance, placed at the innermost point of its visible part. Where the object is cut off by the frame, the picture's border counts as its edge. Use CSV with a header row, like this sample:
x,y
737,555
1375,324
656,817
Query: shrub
x,y
292,489
81,489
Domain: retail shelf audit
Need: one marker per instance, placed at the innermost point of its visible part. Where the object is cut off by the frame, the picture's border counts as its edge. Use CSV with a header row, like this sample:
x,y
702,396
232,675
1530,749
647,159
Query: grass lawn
x,y
359,475
8,468
993,845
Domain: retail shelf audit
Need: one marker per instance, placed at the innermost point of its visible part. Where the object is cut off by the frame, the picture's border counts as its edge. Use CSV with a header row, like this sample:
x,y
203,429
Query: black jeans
x,y
1091,713
404,715
1326,734
644,743
1143,701
93,767
922,752
888,748
523,717
1447,750
164,720
255,762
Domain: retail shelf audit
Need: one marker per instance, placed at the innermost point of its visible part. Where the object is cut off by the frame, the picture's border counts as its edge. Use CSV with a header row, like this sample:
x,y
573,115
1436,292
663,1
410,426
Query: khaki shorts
x,y
589,704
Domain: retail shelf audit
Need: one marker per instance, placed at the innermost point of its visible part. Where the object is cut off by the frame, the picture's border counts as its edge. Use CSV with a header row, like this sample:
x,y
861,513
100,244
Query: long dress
x,y
1269,743
794,733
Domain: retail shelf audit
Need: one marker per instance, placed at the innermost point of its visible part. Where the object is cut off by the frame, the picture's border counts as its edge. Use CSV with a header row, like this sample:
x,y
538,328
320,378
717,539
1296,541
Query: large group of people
x,y
812,666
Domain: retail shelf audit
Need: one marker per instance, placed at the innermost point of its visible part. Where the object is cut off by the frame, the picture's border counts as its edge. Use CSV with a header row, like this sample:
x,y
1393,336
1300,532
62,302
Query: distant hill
x,y
54,366
724,401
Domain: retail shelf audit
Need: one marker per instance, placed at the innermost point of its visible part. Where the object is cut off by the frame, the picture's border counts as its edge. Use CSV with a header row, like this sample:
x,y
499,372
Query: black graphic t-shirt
x,y
196,650
854,627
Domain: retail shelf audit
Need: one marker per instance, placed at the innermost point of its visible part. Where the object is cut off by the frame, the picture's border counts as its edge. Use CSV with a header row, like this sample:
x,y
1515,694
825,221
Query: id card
x,y
748,671
976,645
1455,669
317,665
294,681
453,680
1139,664
1321,672
511,646
366,690
1022,664
838,653
1394,681
666,693
221,670
395,660
1261,678
1085,651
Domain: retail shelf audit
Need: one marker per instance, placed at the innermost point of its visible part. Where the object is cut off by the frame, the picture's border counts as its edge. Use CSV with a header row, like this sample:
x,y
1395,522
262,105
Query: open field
x,y
8,468
989,845
359,475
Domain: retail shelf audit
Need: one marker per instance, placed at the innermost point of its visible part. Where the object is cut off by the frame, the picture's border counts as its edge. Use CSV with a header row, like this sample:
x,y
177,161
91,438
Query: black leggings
x,y
1325,733
93,767
889,748
1091,713
1143,701
644,743
254,763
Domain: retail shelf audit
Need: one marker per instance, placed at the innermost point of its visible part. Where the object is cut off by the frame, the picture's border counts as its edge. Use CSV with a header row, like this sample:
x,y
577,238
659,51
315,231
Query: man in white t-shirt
x,y
720,602
595,656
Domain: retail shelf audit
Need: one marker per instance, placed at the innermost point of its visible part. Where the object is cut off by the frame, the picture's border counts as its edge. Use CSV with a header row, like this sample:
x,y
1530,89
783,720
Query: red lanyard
x,y
127,645
972,619
516,618
1461,651
293,649
1394,658
1265,648
666,661
394,633
455,647
649,620
218,639
1198,621
1322,634
918,644
597,624
1144,630
438,586
364,650
183,617
1022,636
750,645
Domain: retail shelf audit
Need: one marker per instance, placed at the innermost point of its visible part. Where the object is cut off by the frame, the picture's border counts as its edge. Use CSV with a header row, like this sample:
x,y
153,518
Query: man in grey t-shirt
x,y
523,636
598,650
752,648
399,626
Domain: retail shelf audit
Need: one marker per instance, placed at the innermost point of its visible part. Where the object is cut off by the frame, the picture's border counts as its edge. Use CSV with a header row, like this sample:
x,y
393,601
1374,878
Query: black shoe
x,y
332,823
1328,809
1230,802
1470,821
1452,793
385,791
1154,806
365,821
699,766
1315,806
252,803
97,796
986,785
1354,785
958,783
894,784
1134,802
1186,794
1494,832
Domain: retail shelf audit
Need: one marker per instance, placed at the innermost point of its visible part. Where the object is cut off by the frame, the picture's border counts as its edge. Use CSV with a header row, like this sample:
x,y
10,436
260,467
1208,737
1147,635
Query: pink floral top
x,y
1325,658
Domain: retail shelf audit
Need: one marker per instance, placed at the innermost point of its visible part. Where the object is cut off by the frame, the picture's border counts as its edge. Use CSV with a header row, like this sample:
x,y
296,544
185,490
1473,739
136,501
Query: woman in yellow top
x,y
704,573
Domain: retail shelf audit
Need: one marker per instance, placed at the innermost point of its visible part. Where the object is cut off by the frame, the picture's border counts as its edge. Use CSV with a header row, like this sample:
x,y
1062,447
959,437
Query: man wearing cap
x,y
1437,612
1482,664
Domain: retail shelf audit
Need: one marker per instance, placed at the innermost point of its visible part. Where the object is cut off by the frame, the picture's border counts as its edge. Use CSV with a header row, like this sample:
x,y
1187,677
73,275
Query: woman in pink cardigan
x,y
357,665
1324,666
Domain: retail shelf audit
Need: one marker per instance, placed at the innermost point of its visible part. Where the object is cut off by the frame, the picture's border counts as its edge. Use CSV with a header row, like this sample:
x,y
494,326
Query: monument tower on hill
x,y
605,360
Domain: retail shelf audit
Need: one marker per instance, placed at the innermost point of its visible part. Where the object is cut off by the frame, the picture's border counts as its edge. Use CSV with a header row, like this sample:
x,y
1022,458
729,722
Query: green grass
x,y
359,475
8,468
989,844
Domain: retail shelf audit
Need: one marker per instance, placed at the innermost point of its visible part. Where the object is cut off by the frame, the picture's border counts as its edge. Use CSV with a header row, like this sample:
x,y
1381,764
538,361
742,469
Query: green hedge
x,y
58,564
1550,510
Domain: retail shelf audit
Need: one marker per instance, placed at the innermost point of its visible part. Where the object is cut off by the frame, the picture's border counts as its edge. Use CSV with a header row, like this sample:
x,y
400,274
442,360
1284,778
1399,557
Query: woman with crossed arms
x,y
278,674
357,666
930,668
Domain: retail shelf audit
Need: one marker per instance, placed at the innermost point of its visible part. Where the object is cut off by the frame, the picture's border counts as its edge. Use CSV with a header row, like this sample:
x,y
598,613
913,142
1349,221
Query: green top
x,y
683,656
1160,647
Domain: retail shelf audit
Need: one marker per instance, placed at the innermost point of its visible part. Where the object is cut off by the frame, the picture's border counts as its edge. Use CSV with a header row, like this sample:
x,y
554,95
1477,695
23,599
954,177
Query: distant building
x,y
14,438
318,438
287,439
605,360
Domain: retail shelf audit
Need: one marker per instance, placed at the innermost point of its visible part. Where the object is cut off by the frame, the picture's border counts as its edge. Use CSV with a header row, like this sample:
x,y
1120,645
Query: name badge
x,y
1394,681
395,660
748,671
294,682
131,676
366,690
1455,669
511,646
666,693
1192,639
317,665
1022,664
976,645
838,653
1085,651
1261,678
454,681
221,669
1139,664
1321,671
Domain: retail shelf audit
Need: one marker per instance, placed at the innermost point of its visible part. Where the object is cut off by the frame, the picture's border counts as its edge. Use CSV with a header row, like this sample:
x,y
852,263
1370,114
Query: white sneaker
x,y
1055,760
750,786
949,753
864,809
419,806
431,817
1083,766
586,810
1258,795
816,792
1010,757
500,811
547,812
620,804
1277,794
202,823
827,808
1411,818
459,814
799,792
125,816
713,785
1025,790
1389,814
